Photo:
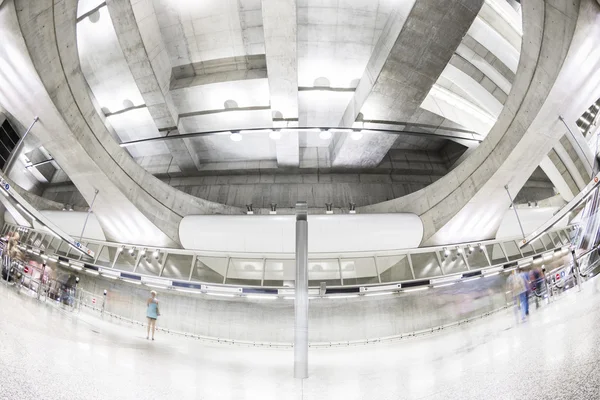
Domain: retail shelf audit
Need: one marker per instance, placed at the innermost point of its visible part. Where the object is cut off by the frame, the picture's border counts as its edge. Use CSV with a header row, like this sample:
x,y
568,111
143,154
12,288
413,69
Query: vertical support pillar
x,y
301,298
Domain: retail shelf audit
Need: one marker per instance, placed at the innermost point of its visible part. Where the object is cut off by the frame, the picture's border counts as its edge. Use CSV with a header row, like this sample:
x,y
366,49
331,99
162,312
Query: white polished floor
x,y
50,354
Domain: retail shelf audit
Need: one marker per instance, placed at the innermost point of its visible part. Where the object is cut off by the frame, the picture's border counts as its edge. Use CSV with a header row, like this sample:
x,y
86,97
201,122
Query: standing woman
x,y
152,313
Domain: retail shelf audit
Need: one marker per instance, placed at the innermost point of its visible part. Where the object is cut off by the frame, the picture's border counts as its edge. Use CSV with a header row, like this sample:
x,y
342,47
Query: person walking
x,y
152,313
518,290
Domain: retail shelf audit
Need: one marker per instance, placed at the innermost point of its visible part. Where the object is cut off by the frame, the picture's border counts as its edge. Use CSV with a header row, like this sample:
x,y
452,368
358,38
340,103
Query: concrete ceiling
x,y
231,65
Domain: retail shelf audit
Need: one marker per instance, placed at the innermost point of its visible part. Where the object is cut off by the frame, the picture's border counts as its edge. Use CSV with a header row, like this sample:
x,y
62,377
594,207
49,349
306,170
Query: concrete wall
x,y
329,320
401,172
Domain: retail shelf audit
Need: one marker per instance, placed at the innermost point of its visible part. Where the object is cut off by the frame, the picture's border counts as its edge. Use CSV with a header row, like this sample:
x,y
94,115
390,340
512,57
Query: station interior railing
x,y
274,273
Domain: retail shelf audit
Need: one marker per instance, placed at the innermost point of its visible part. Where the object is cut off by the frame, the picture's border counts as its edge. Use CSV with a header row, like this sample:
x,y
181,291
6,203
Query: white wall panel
x,y
276,233
531,218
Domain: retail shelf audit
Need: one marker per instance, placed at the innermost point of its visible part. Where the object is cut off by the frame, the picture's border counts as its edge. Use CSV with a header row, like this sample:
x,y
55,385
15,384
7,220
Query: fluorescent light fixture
x,y
53,259
356,135
444,285
472,278
135,282
155,286
417,289
45,257
89,271
325,135
341,130
78,268
492,270
107,272
221,294
289,298
235,136
66,264
348,296
275,135
492,274
261,297
452,278
109,276
188,291
378,294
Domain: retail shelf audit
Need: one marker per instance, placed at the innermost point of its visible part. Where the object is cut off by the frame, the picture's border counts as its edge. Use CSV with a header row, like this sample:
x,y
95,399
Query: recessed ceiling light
x,y
275,135
236,137
325,135
356,135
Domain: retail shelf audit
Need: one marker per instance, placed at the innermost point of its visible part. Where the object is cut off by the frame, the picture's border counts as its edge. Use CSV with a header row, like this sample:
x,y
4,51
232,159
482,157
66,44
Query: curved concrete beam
x,y
552,80
133,206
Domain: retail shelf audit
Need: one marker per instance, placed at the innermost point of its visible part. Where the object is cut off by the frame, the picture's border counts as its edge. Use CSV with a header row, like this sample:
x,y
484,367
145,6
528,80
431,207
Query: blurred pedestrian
x,y
518,290
152,313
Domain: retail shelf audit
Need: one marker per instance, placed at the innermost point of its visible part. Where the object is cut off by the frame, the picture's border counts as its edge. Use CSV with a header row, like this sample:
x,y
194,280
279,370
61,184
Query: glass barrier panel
x,y
512,251
452,264
327,271
555,239
527,250
546,241
359,271
126,260
54,244
148,265
5,229
210,269
563,237
538,246
46,241
178,266
94,247
245,272
495,253
63,249
394,268
35,239
476,257
106,255
425,265
277,272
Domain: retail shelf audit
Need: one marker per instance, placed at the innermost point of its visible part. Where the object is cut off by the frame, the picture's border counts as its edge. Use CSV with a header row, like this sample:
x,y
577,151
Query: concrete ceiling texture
x,y
418,74
423,106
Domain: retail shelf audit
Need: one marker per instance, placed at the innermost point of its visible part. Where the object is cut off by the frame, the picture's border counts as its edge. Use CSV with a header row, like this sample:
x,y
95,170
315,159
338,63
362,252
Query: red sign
x,y
93,301
557,276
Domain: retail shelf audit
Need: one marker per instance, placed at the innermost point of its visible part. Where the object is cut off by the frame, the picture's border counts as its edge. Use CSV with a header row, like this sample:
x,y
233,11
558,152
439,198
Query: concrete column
x,y
301,299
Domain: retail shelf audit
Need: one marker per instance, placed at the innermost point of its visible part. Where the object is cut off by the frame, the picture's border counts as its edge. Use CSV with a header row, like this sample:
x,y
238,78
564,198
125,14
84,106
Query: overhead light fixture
x,y
446,252
235,136
120,249
471,248
356,135
480,247
273,209
249,209
275,135
352,208
131,251
143,252
155,253
325,135
459,250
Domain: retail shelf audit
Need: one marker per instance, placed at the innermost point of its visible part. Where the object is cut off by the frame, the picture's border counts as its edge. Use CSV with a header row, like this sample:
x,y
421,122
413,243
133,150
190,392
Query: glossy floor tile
x,y
48,353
